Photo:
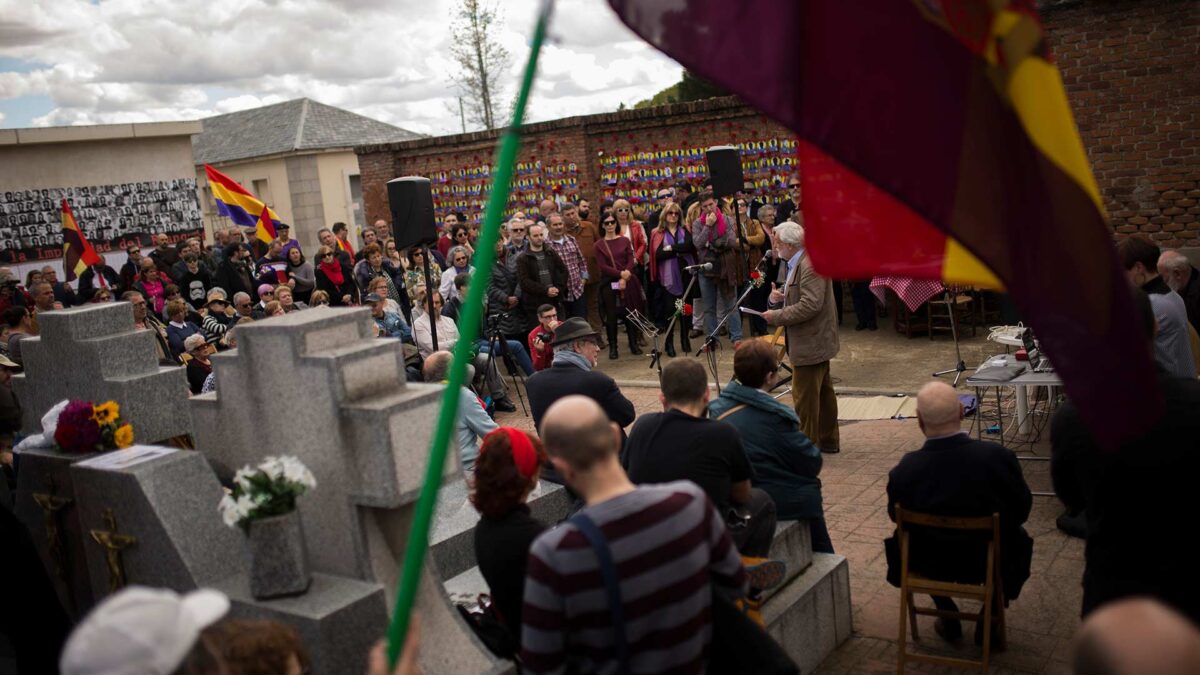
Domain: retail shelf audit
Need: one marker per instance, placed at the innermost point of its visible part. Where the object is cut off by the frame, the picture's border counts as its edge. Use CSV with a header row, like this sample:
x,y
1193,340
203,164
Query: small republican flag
x,y
78,254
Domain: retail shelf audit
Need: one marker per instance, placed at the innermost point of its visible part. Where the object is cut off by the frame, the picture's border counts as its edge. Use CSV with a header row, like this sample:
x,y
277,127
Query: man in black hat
x,y
576,346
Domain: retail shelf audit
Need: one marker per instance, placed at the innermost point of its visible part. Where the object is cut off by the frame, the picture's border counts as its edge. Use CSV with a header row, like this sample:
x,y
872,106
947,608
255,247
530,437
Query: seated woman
x,y
199,367
506,472
784,461
447,337
178,327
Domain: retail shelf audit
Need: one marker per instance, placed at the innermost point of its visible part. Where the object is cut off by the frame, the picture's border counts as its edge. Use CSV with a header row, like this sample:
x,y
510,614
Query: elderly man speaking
x,y
806,308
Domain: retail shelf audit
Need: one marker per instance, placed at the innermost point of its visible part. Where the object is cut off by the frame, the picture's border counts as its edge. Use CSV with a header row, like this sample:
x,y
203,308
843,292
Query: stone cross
x,y
94,353
316,384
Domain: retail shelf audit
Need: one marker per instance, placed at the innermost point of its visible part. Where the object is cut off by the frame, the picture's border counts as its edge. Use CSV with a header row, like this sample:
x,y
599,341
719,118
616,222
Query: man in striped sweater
x,y
668,545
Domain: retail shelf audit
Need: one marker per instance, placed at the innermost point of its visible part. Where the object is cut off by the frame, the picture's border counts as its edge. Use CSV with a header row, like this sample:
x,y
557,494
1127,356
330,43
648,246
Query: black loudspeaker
x,y
411,201
725,169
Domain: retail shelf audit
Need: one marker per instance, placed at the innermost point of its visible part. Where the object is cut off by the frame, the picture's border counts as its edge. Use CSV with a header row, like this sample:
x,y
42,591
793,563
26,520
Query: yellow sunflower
x,y
123,436
106,412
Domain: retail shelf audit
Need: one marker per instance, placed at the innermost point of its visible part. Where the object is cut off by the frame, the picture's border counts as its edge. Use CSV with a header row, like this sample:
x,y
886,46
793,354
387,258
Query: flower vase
x,y
278,557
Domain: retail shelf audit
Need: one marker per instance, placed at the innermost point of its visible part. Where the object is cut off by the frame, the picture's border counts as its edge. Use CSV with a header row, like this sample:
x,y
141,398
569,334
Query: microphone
x,y
703,267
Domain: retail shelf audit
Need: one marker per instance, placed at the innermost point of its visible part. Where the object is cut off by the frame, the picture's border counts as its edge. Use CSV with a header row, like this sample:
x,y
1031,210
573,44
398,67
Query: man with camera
x,y
541,338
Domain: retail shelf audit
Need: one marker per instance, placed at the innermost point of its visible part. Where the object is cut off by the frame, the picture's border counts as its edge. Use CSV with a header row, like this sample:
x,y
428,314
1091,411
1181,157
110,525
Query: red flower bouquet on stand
x,y
84,427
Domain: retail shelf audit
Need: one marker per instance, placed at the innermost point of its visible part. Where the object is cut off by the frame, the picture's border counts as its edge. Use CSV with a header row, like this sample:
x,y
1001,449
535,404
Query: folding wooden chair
x,y
990,592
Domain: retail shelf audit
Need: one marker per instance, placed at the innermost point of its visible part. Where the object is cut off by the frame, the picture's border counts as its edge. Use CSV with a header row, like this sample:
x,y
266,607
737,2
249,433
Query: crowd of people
x,y
675,511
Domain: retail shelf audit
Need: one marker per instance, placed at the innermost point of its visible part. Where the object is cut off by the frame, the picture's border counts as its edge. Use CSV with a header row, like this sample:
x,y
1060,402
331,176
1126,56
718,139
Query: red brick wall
x,y
1131,69
582,141
1132,73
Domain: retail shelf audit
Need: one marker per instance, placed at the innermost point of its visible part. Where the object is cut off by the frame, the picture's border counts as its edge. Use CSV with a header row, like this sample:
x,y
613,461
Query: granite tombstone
x,y
316,384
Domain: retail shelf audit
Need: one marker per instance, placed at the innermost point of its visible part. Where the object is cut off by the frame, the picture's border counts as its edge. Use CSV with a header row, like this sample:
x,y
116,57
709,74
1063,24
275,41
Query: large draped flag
x,y
936,142
239,205
78,254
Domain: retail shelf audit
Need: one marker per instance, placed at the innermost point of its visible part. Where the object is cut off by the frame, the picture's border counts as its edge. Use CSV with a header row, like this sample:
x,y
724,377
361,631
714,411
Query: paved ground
x,y
869,361
1041,621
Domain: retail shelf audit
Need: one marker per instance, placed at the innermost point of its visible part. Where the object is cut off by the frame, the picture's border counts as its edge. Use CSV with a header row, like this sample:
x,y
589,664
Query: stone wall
x,y
1132,73
1131,69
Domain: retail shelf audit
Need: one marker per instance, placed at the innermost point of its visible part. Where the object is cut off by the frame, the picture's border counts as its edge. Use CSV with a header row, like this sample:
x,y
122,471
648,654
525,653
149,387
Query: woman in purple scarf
x,y
671,252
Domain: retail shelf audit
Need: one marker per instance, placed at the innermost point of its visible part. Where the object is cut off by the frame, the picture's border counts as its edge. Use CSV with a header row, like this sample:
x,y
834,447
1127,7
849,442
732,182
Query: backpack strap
x,y
608,571
736,408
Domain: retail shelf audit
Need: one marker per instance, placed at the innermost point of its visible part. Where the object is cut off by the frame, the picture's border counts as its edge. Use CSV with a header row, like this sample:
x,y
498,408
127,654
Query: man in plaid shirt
x,y
568,249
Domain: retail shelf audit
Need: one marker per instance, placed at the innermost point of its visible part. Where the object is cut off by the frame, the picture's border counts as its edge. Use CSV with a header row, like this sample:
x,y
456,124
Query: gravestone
x,y
316,384
94,353
150,518
90,353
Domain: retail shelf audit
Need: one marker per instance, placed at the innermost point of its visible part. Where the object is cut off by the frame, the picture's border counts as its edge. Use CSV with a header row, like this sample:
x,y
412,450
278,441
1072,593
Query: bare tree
x,y
481,59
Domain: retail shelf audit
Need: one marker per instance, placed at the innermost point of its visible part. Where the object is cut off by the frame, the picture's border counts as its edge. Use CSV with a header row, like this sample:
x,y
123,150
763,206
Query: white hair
x,y
790,233
239,296
1174,261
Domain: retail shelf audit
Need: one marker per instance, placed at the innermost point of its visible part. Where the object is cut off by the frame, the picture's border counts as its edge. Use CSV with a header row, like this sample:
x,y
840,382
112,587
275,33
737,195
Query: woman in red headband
x,y
506,472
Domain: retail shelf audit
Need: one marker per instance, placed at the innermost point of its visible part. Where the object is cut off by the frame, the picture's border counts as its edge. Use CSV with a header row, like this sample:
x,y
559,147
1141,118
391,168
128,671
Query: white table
x,y
1021,385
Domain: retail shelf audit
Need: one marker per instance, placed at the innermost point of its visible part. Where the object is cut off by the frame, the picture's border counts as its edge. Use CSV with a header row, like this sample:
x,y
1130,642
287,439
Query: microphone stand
x,y
655,355
711,342
429,300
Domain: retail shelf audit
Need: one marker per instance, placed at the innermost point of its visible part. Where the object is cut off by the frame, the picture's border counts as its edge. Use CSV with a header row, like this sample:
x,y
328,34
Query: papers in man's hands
x,y
747,310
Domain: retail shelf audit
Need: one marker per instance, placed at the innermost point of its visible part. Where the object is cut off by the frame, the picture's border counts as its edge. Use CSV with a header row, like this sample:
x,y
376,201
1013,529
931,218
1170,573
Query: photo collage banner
x,y
638,175
111,216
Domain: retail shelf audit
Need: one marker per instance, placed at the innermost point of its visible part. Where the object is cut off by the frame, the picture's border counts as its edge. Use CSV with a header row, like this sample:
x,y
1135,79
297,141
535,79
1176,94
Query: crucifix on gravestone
x,y
51,504
113,542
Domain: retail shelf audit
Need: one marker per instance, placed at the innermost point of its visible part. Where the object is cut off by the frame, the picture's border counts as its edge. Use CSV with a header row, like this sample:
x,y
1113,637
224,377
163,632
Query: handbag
x,y
489,628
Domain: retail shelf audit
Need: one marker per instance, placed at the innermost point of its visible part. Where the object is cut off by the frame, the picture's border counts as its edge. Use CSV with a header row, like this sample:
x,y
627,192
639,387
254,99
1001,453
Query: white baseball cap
x,y
141,631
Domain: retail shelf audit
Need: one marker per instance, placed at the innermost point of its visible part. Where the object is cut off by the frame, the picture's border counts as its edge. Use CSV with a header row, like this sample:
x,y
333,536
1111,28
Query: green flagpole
x,y
469,320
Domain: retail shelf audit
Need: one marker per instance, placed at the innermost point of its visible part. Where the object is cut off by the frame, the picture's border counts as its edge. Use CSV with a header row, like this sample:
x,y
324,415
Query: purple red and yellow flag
x,y
78,254
937,143
239,205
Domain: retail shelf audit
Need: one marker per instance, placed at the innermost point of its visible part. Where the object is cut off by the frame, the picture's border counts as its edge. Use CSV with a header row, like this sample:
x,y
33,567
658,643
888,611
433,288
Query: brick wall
x,y
582,141
1132,73
1131,69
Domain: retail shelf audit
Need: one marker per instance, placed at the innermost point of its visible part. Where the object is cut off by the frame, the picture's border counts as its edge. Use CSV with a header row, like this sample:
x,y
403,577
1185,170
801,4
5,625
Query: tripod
x,y
497,342
648,329
961,366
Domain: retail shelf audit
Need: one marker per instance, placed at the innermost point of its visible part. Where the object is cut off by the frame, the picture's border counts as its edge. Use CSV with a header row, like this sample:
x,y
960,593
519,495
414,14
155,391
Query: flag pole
x,y
485,255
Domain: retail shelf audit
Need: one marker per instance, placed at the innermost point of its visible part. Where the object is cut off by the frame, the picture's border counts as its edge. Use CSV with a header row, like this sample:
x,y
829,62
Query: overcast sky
x,y
75,62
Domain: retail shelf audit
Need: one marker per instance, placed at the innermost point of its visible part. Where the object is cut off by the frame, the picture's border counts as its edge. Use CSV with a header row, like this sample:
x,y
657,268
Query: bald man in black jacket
x,y
956,475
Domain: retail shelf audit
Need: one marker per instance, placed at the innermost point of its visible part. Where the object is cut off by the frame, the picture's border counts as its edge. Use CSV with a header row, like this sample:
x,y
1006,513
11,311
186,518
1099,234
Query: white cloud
x,y
136,60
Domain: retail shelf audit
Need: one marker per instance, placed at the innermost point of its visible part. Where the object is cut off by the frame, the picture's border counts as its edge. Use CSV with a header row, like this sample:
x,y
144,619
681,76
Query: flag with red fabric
x,y
78,254
936,142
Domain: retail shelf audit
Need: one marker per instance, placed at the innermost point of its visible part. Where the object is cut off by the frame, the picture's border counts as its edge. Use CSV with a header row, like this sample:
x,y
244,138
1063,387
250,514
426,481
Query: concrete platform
x,y
810,615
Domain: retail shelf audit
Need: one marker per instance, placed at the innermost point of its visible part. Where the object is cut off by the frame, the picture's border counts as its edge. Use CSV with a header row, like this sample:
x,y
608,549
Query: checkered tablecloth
x,y
913,292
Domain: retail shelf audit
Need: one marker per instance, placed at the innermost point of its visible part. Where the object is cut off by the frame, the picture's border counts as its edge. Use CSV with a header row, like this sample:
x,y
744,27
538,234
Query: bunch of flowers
x,y
83,427
683,308
269,490
757,279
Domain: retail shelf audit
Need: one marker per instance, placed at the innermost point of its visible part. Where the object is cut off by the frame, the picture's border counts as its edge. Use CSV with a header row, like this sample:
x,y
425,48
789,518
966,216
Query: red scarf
x,y
333,271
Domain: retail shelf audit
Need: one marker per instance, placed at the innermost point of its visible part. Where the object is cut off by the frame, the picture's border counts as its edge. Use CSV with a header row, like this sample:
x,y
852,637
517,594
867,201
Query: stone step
x,y
793,546
453,548
810,615
364,369
452,541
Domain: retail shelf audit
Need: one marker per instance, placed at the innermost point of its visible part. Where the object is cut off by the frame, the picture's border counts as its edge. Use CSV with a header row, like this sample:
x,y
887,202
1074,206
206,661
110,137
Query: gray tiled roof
x,y
300,124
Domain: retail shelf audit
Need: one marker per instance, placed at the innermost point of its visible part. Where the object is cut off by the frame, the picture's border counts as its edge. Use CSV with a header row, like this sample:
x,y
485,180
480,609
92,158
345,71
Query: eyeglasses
x,y
462,258
610,222
516,229
133,252
240,304
622,209
672,213
793,185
